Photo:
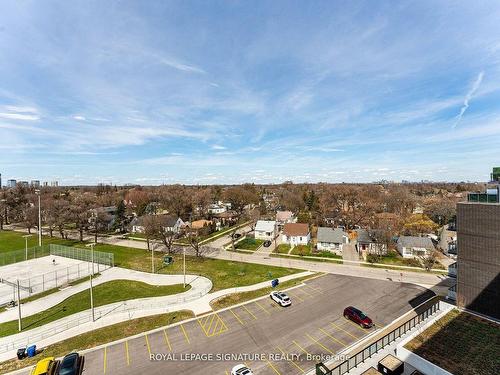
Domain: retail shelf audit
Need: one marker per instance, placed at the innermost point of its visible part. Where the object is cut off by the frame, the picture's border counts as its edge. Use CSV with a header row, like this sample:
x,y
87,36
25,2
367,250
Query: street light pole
x,y
19,323
153,257
184,264
26,245
92,274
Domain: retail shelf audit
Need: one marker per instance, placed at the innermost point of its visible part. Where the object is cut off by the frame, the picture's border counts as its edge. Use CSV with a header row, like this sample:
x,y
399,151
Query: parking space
x,y
270,339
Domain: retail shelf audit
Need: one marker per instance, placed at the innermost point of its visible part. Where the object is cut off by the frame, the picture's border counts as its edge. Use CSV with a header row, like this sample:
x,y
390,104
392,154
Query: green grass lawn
x,y
12,241
98,337
249,243
302,250
395,259
282,248
109,292
461,343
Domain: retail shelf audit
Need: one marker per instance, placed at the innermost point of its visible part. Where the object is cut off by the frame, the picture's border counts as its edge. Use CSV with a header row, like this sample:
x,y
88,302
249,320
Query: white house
x,y
412,247
330,239
216,208
265,230
296,234
169,223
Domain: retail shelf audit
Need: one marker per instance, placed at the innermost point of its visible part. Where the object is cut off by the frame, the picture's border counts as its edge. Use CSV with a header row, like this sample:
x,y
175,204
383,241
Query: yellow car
x,y
46,366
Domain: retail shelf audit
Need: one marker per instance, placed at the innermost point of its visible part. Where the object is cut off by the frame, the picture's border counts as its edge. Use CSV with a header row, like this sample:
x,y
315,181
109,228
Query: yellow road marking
x,y
251,313
105,350
237,317
126,352
147,343
274,368
293,362
342,329
303,291
227,373
300,347
185,333
262,307
298,297
313,289
355,325
333,338
203,328
167,340
320,344
211,322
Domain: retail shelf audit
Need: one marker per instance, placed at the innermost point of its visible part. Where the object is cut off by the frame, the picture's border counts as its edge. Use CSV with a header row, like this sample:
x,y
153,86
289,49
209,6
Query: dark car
x,y
70,365
267,243
358,317
236,235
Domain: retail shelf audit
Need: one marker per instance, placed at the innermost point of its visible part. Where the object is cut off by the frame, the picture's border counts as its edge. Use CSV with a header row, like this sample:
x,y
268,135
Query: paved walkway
x,y
119,312
199,285
349,252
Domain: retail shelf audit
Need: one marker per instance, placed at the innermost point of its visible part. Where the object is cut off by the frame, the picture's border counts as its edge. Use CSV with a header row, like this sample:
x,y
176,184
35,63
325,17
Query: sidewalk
x,y
198,284
438,283
119,312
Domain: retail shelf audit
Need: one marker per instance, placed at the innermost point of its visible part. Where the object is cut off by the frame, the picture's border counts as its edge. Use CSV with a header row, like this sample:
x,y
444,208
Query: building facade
x,y
478,260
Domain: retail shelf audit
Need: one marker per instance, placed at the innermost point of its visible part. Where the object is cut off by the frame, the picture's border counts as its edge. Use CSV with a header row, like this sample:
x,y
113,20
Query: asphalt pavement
x,y
268,338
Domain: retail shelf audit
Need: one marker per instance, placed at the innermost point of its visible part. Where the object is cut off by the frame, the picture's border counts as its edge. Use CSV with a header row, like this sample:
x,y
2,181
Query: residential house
x,y
283,217
265,230
367,244
228,217
412,247
169,223
105,217
201,226
296,234
331,239
216,208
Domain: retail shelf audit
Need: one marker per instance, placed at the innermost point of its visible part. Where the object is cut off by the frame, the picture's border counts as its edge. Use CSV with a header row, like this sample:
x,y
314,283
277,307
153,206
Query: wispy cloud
x,y
181,66
22,113
468,97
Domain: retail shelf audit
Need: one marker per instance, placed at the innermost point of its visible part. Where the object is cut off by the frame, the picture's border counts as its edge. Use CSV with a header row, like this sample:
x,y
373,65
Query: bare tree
x,y
429,260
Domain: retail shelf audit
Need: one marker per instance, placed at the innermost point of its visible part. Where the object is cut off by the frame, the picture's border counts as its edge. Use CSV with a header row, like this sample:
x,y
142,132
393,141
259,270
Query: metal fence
x,y
106,259
369,351
58,277
128,307
22,255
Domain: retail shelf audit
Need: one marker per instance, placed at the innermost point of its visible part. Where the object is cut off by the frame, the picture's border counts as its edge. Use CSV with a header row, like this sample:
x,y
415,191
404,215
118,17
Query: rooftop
x,y
331,235
460,343
296,229
411,241
265,226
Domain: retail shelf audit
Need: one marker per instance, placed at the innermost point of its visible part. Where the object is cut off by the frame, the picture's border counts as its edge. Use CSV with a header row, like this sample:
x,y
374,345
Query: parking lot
x,y
276,340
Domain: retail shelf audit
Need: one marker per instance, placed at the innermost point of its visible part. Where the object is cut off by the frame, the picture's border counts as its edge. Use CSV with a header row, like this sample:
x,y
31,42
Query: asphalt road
x,y
313,325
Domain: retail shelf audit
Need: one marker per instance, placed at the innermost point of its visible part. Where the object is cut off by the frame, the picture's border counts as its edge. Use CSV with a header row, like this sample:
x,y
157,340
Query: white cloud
x,y
22,113
19,116
468,97
79,118
218,147
181,66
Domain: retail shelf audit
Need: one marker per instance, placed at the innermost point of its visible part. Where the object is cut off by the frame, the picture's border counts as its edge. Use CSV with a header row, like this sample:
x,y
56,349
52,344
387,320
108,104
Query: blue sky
x,y
155,92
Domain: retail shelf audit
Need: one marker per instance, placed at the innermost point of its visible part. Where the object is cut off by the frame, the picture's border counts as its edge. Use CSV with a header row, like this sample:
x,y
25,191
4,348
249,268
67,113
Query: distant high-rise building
x,y
54,183
11,183
0,180
35,183
24,184
45,184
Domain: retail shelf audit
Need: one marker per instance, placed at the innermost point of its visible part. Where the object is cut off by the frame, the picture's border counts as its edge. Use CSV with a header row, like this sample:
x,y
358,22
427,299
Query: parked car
x,y
70,364
358,317
236,235
267,243
241,370
46,366
281,298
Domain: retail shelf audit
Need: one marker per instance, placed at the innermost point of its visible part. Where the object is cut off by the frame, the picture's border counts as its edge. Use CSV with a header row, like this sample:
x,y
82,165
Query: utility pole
x,y
20,325
39,217
153,257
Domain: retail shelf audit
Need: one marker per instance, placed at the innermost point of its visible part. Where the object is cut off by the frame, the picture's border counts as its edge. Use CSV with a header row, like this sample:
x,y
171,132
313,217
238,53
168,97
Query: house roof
x,y
226,215
295,229
283,215
265,225
165,220
387,216
362,236
331,235
198,224
410,241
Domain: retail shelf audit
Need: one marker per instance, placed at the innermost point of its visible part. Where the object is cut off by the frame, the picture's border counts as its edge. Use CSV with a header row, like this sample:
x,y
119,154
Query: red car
x,y
358,317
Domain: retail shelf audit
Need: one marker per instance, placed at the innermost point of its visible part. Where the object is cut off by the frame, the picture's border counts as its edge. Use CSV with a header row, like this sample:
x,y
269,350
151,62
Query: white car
x,y
281,298
241,370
